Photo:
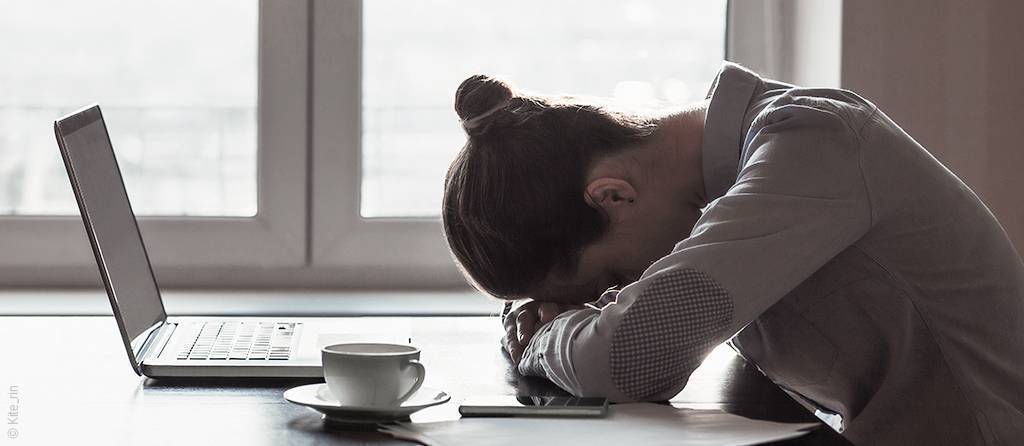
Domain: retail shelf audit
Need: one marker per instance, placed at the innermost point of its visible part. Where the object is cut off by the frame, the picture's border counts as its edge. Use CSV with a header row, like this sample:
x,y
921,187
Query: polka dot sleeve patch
x,y
667,331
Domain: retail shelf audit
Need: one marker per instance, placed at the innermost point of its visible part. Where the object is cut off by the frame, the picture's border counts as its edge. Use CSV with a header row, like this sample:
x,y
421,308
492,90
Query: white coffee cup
x,y
372,375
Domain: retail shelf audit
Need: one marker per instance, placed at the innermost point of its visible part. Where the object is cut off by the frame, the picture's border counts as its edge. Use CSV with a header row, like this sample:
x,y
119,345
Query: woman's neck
x,y
679,147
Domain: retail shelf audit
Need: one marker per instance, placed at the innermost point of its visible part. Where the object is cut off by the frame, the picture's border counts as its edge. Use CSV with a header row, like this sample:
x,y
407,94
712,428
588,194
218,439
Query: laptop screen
x,y
110,223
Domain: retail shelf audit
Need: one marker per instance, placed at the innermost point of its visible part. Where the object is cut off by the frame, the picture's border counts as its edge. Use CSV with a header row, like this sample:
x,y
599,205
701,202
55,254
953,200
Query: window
x,y
300,143
178,87
208,113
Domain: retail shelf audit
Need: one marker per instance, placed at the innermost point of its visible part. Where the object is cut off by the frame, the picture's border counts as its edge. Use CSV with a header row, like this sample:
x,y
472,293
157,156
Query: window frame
x,y
305,233
54,250
795,41
379,248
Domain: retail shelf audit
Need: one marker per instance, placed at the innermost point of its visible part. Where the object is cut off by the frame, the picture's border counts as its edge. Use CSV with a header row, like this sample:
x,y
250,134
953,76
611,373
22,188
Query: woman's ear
x,y
612,195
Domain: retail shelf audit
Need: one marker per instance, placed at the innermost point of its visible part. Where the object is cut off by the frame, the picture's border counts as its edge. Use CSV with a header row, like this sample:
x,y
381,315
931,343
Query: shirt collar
x,y
730,96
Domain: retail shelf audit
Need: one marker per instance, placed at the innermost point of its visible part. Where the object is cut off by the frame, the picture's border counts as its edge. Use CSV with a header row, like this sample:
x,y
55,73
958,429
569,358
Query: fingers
x,y
511,343
522,324
526,325
512,339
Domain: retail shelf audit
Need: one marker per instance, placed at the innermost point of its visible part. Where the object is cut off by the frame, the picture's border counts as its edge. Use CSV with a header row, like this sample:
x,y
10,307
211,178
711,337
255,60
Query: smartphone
x,y
533,406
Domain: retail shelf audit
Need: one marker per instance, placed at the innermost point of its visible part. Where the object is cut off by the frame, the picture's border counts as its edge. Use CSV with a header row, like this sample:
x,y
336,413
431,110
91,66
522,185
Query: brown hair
x,y
514,208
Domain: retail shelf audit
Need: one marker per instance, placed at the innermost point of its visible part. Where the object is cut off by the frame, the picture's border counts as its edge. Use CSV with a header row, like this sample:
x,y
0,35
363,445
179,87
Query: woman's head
x,y
514,208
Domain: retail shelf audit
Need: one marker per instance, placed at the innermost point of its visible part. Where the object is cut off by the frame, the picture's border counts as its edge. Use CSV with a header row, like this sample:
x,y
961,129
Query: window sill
x,y
41,302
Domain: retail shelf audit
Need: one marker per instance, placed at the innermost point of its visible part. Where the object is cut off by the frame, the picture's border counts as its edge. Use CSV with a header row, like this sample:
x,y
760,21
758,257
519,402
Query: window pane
x,y
415,53
177,84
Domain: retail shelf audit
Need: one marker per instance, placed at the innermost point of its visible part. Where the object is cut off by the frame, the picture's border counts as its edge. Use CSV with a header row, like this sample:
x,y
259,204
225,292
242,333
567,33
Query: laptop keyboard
x,y
270,341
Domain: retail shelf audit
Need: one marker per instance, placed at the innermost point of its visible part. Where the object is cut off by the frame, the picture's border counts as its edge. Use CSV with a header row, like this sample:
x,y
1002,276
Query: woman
x,y
803,225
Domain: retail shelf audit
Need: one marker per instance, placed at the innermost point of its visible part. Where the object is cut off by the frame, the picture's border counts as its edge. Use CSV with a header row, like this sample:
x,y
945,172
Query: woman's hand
x,y
523,322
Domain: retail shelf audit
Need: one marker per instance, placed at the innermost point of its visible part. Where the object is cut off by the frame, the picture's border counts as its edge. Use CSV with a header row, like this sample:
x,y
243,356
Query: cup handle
x,y
420,374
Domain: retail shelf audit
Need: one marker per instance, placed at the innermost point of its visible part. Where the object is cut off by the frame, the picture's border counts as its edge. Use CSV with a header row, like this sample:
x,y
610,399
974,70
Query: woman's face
x,y
623,253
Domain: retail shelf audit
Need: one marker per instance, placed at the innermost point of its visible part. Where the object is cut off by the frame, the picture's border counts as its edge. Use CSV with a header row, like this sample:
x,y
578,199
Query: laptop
x,y
184,346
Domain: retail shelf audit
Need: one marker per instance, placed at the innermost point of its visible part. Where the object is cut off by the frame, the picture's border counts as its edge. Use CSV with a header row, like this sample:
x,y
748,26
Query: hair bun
x,y
479,96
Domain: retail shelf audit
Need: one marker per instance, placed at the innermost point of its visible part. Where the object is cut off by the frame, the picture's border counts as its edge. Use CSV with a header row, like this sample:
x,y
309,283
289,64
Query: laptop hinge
x,y
156,341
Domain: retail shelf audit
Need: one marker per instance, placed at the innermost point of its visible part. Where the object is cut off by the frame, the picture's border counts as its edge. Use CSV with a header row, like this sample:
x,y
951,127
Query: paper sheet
x,y
640,424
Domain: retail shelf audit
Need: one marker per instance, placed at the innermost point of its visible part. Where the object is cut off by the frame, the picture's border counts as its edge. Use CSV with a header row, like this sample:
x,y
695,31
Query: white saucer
x,y
317,396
